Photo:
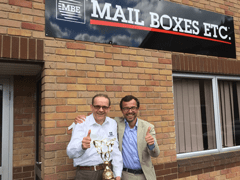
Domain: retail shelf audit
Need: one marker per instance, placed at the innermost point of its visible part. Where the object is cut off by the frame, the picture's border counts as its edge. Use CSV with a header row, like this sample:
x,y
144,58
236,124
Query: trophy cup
x,y
104,148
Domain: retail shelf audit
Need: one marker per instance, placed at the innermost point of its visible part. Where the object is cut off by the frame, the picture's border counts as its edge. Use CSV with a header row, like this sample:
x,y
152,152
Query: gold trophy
x,y
104,148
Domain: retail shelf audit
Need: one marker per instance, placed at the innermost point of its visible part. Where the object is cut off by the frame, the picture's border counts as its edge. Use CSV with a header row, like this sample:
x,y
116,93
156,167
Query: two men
x,y
137,142
97,126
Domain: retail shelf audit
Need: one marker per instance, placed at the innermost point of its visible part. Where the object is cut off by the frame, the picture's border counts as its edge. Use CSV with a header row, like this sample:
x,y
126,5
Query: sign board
x,y
153,24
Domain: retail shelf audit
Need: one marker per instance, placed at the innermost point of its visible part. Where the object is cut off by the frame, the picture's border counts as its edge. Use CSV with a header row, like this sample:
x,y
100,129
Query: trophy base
x,y
107,173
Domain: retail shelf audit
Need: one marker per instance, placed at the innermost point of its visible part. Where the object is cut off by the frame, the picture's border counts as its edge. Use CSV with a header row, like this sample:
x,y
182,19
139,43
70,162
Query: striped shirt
x,y
129,147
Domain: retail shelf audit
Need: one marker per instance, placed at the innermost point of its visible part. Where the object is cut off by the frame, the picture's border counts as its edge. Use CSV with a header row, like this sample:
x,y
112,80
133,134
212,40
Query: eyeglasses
x,y
97,107
126,109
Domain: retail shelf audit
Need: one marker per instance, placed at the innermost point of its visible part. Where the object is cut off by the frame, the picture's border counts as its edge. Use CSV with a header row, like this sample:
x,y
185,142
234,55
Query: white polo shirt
x,y
90,157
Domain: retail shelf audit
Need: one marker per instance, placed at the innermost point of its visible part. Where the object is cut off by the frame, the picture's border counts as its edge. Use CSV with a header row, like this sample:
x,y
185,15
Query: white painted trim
x,y
10,164
197,153
217,114
7,127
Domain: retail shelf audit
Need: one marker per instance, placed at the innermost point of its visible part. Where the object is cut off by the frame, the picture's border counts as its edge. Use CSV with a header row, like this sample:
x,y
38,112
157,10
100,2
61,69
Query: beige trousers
x,y
131,176
88,175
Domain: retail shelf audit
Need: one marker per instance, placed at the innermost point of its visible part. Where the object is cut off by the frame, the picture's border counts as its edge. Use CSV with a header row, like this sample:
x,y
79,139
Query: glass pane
x,y
194,115
229,102
1,107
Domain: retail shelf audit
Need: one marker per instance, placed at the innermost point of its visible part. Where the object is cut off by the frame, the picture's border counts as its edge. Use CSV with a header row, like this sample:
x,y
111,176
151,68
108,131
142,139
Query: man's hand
x,y
118,178
149,139
79,119
86,141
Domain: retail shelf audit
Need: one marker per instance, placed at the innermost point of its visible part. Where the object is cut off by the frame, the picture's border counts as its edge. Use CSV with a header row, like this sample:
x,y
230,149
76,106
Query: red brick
x,y
64,168
114,88
144,76
225,171
76,73
32,49
112,50
18,122
169,153
23,48
181,62
183,175
166,83
49,139
152,83
229,13
129,64
31,26
22,128
22,175
63,138
39,49
54,131
175,62
171,165
6,47
159,167
54,147
66,123
68,80
186,66
113,63
28,168
26,134
17,169
15,47
145,88
66,109
164,61
71,45
103,55
163,172
22,3
51,177
96,88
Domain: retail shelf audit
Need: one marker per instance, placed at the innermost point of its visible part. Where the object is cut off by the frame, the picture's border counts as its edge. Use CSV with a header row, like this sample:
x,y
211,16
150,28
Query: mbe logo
x,y
71,10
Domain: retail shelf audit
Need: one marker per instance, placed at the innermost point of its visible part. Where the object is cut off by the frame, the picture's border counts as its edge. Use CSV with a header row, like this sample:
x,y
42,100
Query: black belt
x,y
138,171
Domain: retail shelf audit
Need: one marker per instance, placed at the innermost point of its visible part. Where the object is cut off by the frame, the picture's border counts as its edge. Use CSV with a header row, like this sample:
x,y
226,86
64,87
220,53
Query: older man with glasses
x,y
96,127
137,141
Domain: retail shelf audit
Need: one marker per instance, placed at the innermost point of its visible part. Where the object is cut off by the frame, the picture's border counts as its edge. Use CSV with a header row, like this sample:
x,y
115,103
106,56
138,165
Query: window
x,y
207,114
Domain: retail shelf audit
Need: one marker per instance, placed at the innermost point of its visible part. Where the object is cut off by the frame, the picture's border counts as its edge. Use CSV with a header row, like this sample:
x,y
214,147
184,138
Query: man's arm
x,y
150,138
79,142
80,119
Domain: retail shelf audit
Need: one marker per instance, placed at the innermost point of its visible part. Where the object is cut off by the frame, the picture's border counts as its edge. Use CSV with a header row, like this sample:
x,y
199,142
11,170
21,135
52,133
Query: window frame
x,y
216,109
7,81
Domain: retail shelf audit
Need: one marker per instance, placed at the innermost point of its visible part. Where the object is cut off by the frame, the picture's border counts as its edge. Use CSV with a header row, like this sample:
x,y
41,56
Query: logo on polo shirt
x,y
110,134
71,10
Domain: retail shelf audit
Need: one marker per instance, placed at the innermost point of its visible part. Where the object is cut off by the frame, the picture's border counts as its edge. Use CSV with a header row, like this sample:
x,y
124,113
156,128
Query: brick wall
x,y
75,71
204,65
79,70
24,127
23,173
209,167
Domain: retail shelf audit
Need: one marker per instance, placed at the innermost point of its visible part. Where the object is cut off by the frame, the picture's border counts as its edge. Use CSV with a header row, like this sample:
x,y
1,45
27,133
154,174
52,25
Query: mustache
x,y
131,113
100,113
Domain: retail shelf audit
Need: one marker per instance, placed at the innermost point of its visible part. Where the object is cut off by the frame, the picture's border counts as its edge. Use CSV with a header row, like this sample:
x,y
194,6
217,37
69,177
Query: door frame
x,y
7,82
